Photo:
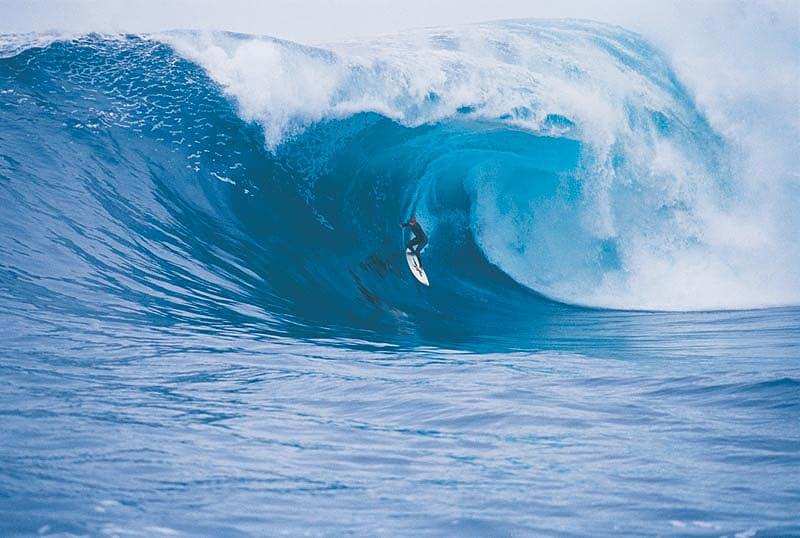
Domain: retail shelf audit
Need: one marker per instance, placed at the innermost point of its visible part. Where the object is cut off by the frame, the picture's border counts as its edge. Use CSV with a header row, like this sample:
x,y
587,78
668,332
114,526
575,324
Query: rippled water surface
x,y
136,431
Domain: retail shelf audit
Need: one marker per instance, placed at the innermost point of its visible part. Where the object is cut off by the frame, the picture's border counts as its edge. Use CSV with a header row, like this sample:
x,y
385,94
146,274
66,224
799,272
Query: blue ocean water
x,y
208,326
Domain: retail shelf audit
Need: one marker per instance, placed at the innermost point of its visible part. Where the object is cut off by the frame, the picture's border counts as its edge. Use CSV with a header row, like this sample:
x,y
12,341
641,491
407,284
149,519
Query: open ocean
x,y
208,328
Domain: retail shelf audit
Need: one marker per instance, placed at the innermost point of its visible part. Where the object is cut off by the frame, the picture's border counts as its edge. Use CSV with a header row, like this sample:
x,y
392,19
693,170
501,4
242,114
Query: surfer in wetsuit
x,y
419,240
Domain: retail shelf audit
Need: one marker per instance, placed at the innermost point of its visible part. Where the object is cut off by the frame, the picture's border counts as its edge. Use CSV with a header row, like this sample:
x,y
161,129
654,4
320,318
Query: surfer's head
x,y
413,219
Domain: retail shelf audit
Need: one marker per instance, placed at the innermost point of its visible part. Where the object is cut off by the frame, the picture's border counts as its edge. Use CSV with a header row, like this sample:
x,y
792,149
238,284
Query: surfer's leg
x,y
410,246
420,245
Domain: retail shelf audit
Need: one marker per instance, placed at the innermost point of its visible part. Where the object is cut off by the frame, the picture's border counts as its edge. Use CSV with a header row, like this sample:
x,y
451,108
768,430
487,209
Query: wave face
x,y
621,195
201,177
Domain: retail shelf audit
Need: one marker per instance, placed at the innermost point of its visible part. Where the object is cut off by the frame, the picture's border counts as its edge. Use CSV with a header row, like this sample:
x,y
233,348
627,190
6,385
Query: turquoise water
x,y
208,326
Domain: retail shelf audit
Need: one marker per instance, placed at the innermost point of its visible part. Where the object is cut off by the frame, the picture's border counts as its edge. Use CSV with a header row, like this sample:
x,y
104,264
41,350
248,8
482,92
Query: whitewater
x,y
209,327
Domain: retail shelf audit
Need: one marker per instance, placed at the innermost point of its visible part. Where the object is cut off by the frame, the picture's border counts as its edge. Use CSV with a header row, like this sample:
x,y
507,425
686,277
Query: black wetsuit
x,y
419,240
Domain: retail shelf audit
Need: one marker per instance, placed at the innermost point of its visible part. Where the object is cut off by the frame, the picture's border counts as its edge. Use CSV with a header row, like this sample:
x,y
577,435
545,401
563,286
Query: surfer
x,y
419,240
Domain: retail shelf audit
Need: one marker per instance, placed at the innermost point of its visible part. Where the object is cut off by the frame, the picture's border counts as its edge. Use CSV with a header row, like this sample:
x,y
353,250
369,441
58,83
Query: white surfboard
x,y
416,268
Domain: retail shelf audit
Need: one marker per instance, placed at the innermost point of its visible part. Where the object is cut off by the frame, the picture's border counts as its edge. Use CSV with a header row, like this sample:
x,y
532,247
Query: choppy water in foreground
x,y
140,432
